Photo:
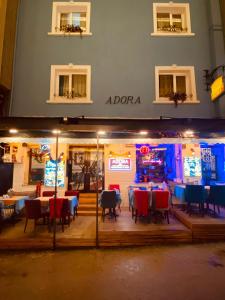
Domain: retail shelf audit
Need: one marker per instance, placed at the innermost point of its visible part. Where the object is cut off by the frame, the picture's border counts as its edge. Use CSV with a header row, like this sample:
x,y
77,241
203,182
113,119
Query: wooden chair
x,y
33,211
48,193
161,203
108,201
141,204
62,211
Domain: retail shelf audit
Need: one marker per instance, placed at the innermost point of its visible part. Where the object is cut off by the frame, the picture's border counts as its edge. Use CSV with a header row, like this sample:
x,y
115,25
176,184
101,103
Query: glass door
x,y
82,168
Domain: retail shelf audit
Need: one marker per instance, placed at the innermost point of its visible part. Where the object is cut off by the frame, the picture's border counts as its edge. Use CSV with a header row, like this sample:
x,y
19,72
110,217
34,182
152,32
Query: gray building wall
x,y
123,56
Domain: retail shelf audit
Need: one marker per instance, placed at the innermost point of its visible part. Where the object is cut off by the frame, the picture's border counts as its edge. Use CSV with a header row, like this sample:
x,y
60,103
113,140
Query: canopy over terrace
x,y
81,127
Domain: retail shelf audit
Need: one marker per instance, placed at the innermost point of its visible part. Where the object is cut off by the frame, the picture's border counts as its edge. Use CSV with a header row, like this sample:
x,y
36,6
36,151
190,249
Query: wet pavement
x,y
178,272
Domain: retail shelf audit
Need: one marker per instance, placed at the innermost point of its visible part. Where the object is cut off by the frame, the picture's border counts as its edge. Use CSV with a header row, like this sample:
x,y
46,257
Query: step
x,y
87,201
87,195
87,213
89,207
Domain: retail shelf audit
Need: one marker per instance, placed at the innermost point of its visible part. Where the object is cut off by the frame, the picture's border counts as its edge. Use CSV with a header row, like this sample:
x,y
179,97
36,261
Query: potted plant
x,y
178,97
71,28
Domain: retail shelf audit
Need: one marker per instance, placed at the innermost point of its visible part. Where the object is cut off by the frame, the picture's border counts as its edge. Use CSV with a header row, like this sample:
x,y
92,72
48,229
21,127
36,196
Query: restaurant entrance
x,y
83,167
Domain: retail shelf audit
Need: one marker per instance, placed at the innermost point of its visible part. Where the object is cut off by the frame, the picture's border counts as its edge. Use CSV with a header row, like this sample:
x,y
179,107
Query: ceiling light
x,y
56,131
13,131
189,132
101,132
143,132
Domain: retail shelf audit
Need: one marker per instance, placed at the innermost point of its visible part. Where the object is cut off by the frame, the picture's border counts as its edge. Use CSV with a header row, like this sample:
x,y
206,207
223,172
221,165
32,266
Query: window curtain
x,y
181,84
165,85
79,86
64,20
64,86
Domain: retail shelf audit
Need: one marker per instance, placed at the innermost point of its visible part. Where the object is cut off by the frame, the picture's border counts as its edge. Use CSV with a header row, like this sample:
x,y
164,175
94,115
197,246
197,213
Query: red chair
x,y
73,193
33,211
48,193
62,211
161,202
113,187
141,204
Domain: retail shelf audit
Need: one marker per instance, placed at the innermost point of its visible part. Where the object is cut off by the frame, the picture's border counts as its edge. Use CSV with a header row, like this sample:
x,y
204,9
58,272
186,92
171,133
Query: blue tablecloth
x,y
73,201
179,192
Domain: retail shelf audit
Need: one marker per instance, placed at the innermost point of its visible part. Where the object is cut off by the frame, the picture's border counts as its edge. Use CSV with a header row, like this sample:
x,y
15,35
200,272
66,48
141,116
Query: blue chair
x,y
216,197
108,201
195,194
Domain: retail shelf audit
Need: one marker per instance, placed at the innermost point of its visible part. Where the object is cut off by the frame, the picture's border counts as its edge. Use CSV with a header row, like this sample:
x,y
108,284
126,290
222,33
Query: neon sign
x,y
119,164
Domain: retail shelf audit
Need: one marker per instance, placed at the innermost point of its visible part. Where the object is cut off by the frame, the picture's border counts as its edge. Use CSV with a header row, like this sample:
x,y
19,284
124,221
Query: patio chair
x,y
113,187
141,204
48,193
161,203
34,212
62,211
216,197
7,213
108,201
73,193
195,194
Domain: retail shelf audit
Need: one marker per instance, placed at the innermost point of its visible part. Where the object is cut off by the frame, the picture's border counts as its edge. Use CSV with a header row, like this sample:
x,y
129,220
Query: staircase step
x,y
87,201
88,207
87,213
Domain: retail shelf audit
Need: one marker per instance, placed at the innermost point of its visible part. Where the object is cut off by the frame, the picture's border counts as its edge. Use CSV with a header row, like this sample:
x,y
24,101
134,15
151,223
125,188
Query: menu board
x,y
192,167
50,170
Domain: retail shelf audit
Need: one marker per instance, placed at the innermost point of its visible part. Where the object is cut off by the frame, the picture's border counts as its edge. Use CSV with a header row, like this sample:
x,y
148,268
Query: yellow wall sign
x,y
217,88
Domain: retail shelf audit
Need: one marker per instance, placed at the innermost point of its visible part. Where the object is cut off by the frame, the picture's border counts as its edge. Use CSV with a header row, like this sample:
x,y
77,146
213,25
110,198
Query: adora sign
x,y
124,100
119,164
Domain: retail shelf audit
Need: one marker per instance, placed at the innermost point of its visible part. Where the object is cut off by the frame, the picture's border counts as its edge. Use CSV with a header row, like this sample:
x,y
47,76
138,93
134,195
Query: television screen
x,y
192,167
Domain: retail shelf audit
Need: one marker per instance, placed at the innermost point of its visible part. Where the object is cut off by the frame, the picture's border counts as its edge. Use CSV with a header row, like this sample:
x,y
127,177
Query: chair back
x,y
217,195
72,193
113,187
108,199
59,207
48,193
33,209
160,200
141,202
195,194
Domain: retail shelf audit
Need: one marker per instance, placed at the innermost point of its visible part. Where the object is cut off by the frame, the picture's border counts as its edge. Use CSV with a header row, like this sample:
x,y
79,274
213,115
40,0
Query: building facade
x,y
135,59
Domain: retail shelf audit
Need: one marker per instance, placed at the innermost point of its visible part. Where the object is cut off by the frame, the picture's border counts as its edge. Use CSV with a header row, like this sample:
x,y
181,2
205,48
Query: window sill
x,y
70,34
172,102
79,101
157,34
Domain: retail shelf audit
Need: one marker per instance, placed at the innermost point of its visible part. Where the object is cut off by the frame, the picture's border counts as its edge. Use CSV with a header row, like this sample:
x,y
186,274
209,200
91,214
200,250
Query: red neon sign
x,y
144,150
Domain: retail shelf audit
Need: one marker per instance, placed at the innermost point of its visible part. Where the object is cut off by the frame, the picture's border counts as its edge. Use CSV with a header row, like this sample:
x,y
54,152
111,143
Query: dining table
x,y
18,201
179,192
73,202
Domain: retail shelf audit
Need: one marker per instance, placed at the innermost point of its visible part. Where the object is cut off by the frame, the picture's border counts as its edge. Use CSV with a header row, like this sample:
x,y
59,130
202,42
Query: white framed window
x,y
70,84
175,82
172,19
71,18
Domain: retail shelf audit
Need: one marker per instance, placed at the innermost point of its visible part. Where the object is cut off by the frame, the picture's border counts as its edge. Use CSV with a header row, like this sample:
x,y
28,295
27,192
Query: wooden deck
x,y
204,229
122,233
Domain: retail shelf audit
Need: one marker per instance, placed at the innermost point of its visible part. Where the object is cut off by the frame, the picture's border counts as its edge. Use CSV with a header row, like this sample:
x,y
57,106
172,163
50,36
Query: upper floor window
x,y
70,84
172,19
175,84
71,18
